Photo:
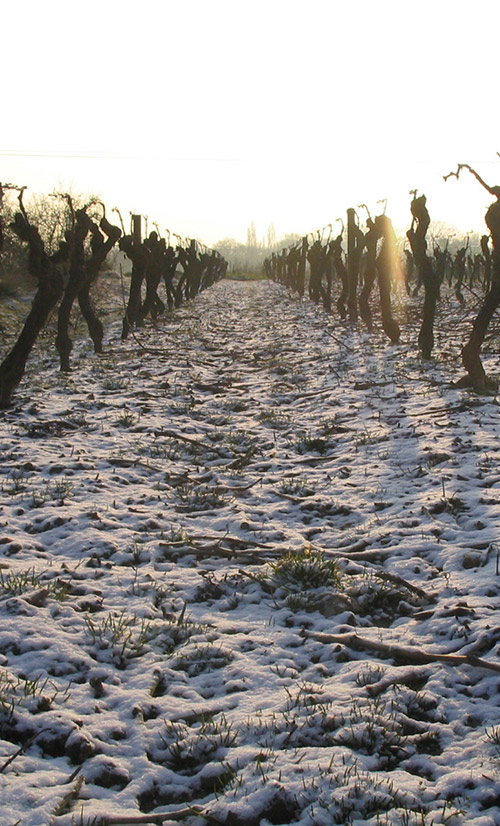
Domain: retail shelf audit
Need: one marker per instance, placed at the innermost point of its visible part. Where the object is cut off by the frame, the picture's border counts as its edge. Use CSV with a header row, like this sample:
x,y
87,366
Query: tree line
x,y
345,278
65,256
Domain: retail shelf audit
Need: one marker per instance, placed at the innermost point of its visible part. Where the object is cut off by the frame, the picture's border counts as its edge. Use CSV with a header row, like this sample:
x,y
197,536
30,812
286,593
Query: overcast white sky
x,y
208,114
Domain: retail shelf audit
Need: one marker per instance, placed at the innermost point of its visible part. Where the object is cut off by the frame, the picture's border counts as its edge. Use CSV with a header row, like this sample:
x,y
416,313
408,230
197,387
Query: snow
x,y
170,626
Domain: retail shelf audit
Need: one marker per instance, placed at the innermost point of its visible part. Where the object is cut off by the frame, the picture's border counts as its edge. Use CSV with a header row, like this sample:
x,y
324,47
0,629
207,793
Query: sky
x,y
206,115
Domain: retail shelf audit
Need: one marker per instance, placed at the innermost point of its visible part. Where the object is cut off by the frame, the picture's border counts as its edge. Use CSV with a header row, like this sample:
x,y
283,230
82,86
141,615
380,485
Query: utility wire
x,y
21,153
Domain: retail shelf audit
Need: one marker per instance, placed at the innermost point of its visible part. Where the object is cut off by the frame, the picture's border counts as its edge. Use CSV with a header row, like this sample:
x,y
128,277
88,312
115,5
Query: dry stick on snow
x,y
241,461
217,549
233,488
397,580
118,820
180,480
370,555
69,797
200,552
265,552
214,544
400,652
265,586
237,541
173,435
338,340
21,750
119,461
154,351
411,677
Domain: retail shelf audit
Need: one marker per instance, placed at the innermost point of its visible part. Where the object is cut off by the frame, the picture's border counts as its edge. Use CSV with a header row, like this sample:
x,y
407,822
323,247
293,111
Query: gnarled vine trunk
x,y
100,249
369,272
76,238
50,274
386,263
355,244
471,354
427,273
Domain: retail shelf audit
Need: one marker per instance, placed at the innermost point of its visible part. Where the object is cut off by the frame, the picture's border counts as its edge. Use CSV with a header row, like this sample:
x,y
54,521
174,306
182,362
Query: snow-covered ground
x,y
210,539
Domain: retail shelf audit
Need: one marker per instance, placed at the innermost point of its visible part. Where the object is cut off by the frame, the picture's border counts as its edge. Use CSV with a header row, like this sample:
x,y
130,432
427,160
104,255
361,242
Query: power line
x,y
42,153
21,153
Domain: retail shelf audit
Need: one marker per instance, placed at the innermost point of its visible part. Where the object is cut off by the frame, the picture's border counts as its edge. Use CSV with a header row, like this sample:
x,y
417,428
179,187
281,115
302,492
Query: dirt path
x,y
190,523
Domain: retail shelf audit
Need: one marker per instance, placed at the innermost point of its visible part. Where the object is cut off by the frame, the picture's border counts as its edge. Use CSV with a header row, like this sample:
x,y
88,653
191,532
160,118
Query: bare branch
x,y
21,205
493,190
115,209
452,174
69,200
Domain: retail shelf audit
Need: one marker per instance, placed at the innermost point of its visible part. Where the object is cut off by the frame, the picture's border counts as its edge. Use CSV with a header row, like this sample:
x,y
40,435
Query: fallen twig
x,y
21,750
217,549
399,652
411,678
119,461
68,798
242,461
118,820
237,541
397,580
173,435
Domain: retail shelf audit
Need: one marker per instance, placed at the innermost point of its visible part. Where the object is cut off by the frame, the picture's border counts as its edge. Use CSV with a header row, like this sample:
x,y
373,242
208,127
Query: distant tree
x,y
229,247
250,257
289,240
271,236
252,236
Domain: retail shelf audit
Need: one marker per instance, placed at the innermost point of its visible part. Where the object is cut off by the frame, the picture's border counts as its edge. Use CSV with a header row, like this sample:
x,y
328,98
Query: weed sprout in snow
x,y
118,637
16,584
187,749
37,694
304,570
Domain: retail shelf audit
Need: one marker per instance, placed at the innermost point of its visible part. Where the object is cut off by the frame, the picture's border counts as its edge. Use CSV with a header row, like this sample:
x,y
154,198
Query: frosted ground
x,y
250,574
